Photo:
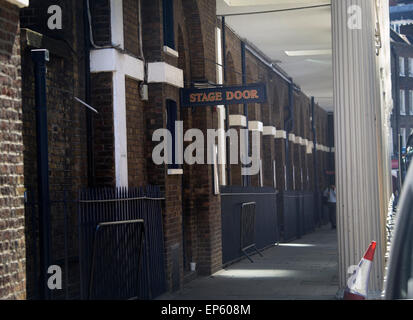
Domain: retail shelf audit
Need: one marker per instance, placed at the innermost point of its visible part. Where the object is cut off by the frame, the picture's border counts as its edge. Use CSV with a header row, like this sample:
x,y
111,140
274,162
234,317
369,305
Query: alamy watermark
x,y
170,151
54,282
55,21
354,21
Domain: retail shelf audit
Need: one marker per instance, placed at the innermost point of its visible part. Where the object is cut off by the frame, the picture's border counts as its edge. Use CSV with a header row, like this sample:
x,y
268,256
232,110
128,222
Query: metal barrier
x,y
116,260
248,216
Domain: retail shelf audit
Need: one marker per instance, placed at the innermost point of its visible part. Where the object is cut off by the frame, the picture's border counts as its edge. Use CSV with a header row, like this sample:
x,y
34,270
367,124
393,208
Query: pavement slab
x,y
304,269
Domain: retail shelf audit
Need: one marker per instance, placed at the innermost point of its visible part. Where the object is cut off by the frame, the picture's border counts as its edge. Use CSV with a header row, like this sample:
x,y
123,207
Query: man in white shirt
x,y
330,194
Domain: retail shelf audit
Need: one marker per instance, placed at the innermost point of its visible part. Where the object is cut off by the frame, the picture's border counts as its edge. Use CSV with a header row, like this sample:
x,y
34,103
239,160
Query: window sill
x,y
175,172
171,52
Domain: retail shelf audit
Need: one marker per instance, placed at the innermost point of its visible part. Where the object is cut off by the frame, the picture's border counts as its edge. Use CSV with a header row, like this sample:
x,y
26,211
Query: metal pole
x,y
317,208
331,144
40,57
289,125
66,236
89,115
402,164
316,186
246,179
224,63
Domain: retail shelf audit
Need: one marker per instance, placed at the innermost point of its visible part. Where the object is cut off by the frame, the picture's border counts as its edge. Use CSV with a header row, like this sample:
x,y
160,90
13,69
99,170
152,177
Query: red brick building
x,y
129,60
12,231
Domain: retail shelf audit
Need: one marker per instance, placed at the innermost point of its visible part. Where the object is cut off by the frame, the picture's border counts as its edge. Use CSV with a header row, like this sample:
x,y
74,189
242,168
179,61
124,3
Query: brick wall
x,y
404,83
273,114
193,207
12,240
101,24
155,116
35,17
321,131
104,147
152,30
191,213
131,27
136,134
67,134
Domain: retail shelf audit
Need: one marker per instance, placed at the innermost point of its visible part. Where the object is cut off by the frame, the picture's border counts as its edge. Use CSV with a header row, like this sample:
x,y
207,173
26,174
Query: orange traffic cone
x,y
357,284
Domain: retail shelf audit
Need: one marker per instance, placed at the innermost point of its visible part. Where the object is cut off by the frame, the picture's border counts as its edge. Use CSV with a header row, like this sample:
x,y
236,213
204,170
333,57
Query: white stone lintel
x,y
19,3
270,131
305,142
281,134
255,126
237,120
162,72
112,60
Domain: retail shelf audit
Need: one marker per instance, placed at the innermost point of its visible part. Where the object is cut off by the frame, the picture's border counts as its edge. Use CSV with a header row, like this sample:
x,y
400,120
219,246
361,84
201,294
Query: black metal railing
x,y
108,242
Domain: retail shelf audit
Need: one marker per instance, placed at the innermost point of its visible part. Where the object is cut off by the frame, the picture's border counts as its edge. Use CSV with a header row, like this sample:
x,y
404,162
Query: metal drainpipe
x,y
40,57
315,143
246,179
397,112
89,116
289,125
316,186
224,63
330,125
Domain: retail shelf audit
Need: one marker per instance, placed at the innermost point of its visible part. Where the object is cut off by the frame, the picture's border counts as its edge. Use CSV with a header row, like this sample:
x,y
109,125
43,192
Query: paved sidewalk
x,y
305,269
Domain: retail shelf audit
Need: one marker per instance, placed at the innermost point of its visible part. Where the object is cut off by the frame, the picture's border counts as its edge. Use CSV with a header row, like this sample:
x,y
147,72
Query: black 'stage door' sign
x,y
254,93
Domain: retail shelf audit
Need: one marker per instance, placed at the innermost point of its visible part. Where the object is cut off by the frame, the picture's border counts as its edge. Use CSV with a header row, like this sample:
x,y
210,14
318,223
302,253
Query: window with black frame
x,y
168,24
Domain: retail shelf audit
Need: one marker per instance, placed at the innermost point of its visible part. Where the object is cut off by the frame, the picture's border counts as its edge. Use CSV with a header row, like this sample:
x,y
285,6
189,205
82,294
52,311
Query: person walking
x,y
330,195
